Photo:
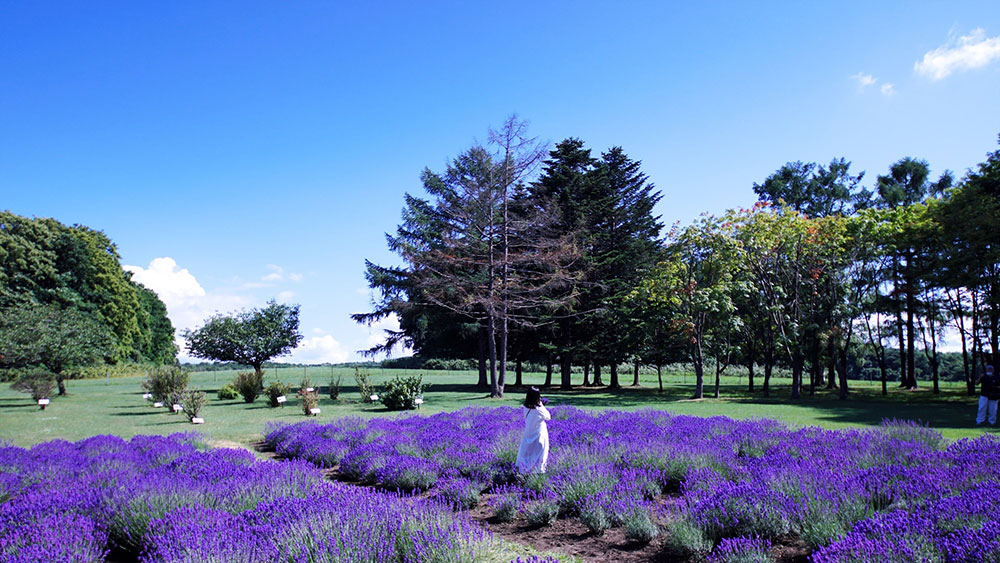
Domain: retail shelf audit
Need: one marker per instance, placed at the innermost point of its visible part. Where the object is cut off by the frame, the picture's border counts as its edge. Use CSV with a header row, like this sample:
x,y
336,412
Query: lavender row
x,y
161,499
700,485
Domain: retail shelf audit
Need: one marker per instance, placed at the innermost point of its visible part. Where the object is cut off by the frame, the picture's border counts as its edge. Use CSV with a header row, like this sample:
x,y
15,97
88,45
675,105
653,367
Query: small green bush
x,y
249,385
39,384
308,400
365,387
334,387
595,518
687,540
640,527
507,505
277,389
164,382
401,393
542,512
227,392
192,401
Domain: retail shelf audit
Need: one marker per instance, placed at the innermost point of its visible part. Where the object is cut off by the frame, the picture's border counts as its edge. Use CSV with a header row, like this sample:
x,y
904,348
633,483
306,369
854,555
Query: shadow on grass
x,y
145,413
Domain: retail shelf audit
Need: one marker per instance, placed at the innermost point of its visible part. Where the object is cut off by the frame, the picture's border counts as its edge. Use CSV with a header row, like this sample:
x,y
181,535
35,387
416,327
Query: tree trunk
x,y
768,368
635,375
699,376
598,380
843,370
831,378
659,376
614,376
797,364
586,374
483,383
718,373
548,371
518,371
566,375
491,344
502,358
911,357
61,384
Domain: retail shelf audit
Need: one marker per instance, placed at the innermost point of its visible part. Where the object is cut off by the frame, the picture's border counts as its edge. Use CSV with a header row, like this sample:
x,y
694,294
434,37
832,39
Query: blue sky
x,y
238,152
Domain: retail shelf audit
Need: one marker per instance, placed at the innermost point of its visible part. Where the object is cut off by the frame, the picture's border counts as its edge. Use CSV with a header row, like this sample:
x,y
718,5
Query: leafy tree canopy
x,y
247,337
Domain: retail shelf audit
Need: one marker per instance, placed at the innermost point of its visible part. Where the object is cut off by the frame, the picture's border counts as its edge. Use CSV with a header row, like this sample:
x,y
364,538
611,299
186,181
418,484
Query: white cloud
x,y
317,350
864,80
295,277
286,296
888,89
971,51
277,273
187,302
376,335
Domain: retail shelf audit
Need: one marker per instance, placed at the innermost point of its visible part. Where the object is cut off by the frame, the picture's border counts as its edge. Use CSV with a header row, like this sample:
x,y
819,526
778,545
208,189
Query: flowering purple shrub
x,y
741,550
732,479
161,499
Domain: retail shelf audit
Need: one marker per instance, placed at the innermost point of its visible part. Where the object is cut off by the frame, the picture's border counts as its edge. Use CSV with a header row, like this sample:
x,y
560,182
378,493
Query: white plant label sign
x,y
281,399
157,405
314,411
197,420
43,402
373,398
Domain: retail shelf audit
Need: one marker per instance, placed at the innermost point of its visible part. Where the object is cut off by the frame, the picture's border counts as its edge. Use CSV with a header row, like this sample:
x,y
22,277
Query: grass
x,y
115,406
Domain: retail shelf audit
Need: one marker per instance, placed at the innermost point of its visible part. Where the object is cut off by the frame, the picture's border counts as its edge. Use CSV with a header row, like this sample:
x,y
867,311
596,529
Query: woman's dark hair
x,y
533,398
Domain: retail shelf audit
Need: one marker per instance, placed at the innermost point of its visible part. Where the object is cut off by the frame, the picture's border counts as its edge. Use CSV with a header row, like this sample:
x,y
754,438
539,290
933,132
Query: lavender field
x,y
696,488
162,499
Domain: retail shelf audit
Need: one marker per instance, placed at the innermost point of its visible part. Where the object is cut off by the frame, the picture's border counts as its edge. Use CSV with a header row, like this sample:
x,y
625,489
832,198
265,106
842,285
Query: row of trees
x,y
561,261
66,301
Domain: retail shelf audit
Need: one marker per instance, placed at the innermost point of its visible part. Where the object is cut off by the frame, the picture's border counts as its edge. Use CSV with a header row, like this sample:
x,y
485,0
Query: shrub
x,y
277,389
741,550
506,504
595,517
227,392
401,393
39,384
163,382
334,387
542,511
308,400
175,398
192,401
687,540
459,493
364,381
249,384
640,527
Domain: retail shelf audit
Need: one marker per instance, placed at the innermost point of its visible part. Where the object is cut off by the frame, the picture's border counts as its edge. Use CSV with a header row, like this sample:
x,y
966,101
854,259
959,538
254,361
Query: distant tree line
x,y
520,255
65,301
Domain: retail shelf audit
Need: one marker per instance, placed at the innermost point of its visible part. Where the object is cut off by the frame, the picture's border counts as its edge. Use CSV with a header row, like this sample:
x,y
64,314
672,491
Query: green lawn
x,y
97,406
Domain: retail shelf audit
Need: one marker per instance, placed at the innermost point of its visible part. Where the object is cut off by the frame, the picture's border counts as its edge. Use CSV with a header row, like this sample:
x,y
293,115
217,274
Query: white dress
x,y
533,454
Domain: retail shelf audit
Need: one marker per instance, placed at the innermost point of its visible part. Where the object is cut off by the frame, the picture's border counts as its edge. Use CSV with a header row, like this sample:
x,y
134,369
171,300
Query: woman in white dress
x,y
533,454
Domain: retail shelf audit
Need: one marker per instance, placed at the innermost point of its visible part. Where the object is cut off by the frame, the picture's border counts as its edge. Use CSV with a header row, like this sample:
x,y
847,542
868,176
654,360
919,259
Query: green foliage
x,y
507,506
44,261
334,387
227,392
192,402
639,526
49,336
308,400
277,389
248,384
401,393
38,383
248,337
595,518
165,383
686,539
363,379
542,512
